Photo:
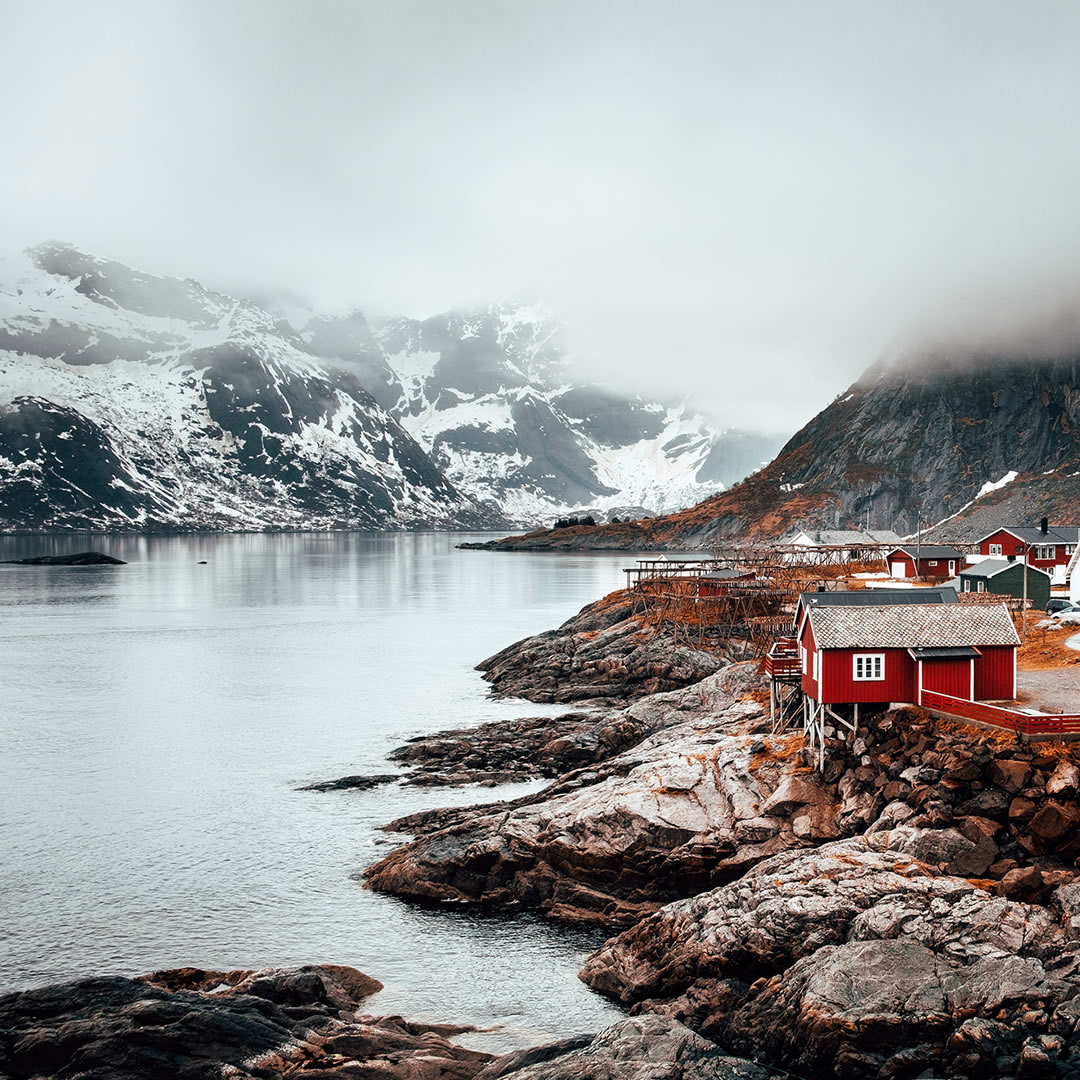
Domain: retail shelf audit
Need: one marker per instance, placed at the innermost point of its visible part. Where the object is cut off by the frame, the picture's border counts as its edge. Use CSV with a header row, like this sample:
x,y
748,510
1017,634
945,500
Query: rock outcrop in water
x,y
709,794
686,808
190,1024
80,558
605,652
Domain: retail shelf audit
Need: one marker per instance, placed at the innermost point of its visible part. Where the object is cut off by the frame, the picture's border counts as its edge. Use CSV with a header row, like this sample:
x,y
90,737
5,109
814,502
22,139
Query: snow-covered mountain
x,y
492,397
132,401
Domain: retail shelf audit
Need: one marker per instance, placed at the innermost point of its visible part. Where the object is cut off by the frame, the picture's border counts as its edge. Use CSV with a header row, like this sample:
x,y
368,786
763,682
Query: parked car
x,y
1068,609
1059,603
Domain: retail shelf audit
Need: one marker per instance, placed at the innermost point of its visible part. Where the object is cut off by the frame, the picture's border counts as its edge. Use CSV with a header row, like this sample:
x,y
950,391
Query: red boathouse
x,y
924,561
882,654
844,656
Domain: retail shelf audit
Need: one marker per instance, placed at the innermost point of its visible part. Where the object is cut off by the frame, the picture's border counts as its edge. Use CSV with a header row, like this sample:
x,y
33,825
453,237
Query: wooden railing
x,y
782,660
1010,719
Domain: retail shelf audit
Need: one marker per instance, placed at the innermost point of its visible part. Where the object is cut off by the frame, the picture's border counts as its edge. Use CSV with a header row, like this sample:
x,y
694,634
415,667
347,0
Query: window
x,y
995,549
932,562
1069,549
1044,551
982,586
967,585
868,667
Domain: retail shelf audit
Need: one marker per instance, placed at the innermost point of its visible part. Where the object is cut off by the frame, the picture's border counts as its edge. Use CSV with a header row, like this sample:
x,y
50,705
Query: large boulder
x,y
640,1048
865,956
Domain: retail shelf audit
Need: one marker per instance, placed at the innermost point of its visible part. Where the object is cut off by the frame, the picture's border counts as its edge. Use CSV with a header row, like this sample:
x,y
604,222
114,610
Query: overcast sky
x,y
743,203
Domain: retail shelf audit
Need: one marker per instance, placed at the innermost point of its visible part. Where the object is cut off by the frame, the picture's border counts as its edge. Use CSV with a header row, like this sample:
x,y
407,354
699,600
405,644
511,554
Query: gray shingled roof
x,y
1032,534
912,626
944,594
931,551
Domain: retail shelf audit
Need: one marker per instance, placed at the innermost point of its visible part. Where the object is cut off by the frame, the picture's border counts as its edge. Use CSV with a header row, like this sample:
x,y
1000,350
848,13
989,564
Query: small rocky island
x,y
79,558
910,910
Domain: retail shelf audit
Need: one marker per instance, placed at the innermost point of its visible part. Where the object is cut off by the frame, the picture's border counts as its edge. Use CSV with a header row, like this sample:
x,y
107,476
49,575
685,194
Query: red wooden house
x,y
924,560
877,655
1049,549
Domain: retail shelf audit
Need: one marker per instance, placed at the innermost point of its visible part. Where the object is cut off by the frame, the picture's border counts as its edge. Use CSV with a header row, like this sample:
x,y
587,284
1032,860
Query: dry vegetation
x,y
1044,647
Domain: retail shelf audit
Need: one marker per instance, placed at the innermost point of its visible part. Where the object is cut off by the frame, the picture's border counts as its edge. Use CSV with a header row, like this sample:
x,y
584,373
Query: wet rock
x,y
353,783
535,746
192,1024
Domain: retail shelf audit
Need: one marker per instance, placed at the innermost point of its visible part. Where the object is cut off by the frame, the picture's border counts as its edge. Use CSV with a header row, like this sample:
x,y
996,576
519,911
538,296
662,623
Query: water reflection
x,y
158,717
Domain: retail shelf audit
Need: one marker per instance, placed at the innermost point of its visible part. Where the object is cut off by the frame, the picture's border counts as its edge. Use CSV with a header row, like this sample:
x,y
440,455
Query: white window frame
x,y
995,549
868,667
966,587
1069,549
982,586
1043,552
931,562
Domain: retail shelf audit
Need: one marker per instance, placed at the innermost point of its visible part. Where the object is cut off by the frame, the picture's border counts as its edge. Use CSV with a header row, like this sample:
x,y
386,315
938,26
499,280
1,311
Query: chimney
x,y
1044,525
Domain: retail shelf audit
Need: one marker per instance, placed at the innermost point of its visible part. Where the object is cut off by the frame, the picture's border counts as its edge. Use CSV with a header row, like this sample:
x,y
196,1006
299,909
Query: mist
x,y
742,204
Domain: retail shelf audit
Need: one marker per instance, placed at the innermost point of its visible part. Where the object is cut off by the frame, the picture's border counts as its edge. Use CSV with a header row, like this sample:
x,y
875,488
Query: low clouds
x,y
742,203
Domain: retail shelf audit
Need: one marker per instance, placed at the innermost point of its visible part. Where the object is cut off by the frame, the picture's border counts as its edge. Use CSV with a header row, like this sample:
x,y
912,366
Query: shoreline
x,y
735,882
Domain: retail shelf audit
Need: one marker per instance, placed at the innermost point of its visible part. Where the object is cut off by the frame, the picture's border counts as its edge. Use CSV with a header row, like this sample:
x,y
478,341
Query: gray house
x,y
1005,577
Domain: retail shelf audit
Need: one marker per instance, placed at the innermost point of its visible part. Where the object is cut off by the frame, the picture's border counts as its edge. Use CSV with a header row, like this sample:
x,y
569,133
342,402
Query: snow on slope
x,y
133,401
491,396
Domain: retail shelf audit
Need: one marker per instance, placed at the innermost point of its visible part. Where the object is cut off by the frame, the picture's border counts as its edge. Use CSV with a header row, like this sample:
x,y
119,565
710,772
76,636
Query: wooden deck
x,y
996,716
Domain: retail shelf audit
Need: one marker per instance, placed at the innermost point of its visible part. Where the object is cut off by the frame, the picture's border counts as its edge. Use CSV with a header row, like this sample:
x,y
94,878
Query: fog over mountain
x,y
741,202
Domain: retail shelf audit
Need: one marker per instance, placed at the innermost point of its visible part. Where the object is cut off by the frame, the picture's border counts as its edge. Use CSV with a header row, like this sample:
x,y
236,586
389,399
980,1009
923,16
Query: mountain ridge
x,y
132,401
952,445
187,409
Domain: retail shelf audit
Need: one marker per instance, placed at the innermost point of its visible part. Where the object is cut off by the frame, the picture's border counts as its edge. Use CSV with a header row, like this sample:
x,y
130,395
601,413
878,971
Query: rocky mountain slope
x,y
968,442
492,397
132,401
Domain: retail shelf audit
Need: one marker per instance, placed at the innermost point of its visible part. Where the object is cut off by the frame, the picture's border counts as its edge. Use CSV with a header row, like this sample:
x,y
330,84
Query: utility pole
x,y
1023,616
918,544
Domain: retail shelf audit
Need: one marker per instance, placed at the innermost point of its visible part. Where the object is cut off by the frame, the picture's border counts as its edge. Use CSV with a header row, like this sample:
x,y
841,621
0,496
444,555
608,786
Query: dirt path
x,y
1055,690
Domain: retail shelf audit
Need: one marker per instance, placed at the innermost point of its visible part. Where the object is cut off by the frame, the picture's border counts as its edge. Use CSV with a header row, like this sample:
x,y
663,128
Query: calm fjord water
x,y
157,718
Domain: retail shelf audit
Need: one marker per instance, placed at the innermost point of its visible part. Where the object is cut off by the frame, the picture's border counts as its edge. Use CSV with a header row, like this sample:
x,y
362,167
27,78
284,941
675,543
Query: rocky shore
x,y
914,910
191,1024
911,911
606,653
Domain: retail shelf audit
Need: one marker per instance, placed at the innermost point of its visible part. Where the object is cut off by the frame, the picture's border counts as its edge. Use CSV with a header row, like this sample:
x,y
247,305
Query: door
x,y
948,676
899,570
952,568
